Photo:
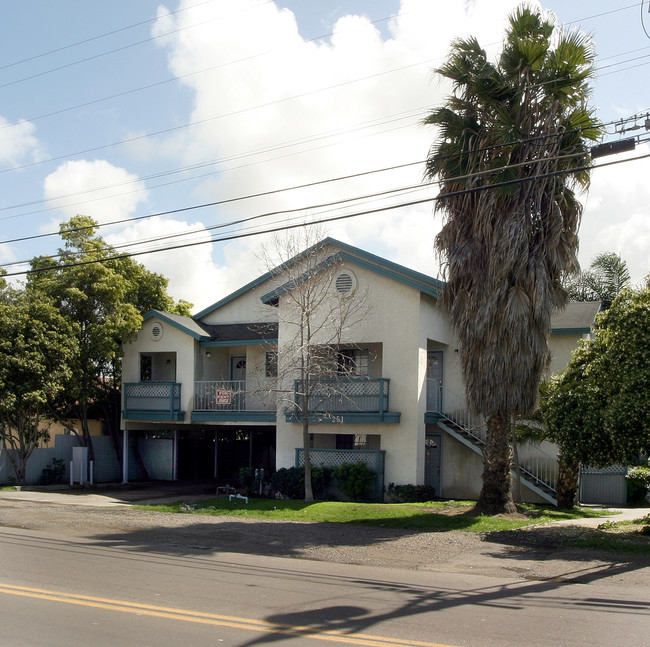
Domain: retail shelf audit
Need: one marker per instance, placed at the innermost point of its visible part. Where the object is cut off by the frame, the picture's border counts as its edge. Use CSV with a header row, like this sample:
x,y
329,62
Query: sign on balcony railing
x,y
232,395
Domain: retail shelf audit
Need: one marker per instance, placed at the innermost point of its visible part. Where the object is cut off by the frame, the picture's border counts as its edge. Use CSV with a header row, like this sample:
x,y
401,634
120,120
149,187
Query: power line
x,y
98,37
122,48
182,126
203,205
335,218
539,138
207,163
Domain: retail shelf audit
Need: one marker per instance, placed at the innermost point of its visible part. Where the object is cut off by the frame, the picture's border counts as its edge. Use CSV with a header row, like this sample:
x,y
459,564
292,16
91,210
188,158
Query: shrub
x,y
53,472
410,493
355,480
290,482
638,482
321,477
246,476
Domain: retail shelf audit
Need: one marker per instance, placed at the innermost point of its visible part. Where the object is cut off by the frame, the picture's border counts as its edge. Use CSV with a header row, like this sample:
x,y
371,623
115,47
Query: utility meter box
x,y
79,465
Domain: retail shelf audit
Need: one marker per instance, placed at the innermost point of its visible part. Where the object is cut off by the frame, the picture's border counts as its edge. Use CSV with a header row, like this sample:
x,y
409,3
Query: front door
x,y
434,380
238,375
432,461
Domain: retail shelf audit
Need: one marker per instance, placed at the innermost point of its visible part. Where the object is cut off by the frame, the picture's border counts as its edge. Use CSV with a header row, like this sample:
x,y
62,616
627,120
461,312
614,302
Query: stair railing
x,y
535,463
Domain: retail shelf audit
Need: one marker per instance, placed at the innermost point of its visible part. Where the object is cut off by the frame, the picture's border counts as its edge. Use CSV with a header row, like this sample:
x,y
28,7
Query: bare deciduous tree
x,y
316,308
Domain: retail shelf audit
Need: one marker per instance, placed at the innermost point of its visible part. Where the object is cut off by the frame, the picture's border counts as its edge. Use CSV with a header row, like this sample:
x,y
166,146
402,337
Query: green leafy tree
x,y
606,277
35,344
510,151
103,297
598,410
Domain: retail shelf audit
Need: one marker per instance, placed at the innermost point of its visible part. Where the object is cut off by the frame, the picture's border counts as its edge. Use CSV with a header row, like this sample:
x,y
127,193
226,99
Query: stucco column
x,y
125,456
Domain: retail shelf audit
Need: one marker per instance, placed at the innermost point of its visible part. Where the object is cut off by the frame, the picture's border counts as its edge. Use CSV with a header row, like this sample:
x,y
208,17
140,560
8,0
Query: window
x,y
271,364
145,368
344,441
352,361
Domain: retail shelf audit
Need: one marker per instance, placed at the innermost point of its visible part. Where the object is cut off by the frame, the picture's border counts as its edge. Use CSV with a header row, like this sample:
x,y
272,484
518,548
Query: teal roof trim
x,y
239,342
189,326
421,282
570,331
417,280
237,293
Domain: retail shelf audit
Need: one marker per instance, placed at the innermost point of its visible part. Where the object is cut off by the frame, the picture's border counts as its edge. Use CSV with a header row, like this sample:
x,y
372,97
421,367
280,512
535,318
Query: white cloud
x,y
617,213
18,145
95,188
279,100
191,272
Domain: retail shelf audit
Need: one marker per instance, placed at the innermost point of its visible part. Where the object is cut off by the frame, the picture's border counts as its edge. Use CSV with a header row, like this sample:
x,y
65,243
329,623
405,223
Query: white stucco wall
x,y
561,348
173,340
392,325
245,308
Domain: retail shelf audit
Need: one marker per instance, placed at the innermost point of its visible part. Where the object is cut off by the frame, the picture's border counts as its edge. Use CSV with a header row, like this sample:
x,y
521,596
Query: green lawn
x,y
431,516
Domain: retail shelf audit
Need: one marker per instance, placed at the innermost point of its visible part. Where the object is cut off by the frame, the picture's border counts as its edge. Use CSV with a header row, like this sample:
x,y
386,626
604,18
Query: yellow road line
x,y
187,615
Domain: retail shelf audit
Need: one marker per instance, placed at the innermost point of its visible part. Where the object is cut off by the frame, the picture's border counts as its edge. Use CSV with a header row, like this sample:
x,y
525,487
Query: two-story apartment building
x,y
209,394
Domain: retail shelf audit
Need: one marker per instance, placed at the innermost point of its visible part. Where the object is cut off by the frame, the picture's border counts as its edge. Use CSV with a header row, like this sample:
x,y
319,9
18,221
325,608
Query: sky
x,y
213,121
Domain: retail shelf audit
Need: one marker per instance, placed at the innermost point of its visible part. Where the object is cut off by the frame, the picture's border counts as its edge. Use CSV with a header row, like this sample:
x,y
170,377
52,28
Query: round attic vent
x,y
345,283
156,331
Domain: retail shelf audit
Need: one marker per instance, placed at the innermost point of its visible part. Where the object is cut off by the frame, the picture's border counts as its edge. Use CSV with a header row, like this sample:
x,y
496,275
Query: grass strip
x,y
433,516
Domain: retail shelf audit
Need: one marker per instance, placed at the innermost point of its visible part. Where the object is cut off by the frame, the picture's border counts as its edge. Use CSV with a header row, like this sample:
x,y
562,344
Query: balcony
x,y
233,400
348,400
153,401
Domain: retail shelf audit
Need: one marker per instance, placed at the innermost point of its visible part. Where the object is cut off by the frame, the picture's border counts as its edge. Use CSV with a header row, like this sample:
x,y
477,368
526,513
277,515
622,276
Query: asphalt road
x,y
71,592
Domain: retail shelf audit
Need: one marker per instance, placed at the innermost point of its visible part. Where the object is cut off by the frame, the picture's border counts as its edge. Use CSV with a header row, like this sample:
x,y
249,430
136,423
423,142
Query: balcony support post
x,y
125,456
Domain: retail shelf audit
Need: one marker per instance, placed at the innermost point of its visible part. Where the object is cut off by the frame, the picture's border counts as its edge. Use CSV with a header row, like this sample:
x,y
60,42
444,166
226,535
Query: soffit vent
x,y
345,283
157,331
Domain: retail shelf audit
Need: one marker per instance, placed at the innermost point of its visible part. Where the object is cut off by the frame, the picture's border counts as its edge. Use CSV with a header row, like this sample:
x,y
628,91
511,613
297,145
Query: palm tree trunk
x,y
496,493
568,473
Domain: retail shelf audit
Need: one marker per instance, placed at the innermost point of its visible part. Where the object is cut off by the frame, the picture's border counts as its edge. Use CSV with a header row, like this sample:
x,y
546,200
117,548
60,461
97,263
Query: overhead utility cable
x,y
340,217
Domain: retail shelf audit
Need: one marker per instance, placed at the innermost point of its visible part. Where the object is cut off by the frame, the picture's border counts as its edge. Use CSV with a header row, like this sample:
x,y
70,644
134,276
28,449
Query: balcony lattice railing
x,y
232,395
152,396
346,395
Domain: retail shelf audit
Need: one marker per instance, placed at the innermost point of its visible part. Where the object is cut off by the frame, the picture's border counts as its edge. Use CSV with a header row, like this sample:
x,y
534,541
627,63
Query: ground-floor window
x,y
358,441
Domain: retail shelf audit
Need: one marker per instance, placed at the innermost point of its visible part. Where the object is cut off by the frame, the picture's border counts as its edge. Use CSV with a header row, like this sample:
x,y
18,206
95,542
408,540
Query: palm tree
x,y
510,150
606,277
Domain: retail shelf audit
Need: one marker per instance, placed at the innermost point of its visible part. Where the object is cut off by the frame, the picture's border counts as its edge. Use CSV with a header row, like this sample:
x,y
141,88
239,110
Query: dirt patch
x,y
539,552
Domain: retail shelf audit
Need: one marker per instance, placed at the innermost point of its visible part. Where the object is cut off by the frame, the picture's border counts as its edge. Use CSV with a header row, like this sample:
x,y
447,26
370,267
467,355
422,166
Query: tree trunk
x,y
496,493
309,493
568,473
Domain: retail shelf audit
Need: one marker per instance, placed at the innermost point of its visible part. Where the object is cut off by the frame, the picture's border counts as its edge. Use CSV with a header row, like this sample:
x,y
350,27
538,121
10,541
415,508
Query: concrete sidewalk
x,y
112,494
617,514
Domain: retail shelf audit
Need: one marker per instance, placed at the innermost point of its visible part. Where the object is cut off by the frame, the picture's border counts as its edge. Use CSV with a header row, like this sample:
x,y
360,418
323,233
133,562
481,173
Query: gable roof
x,y
222,334
185,324
576,319
350,254
241,334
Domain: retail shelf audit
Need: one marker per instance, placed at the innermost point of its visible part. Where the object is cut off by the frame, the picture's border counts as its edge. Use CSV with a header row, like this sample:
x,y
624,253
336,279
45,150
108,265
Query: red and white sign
x,y
224,397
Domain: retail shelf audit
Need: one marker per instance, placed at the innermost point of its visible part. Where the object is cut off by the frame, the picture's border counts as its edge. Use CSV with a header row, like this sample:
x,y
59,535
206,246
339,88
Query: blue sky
x,y
127,109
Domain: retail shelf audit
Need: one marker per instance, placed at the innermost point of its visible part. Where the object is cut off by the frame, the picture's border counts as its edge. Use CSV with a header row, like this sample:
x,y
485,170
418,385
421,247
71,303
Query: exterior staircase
x,y
537,469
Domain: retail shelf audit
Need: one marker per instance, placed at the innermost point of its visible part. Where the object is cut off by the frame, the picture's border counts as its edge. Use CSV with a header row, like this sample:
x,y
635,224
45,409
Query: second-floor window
x,y
271,364
352,361
146,365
